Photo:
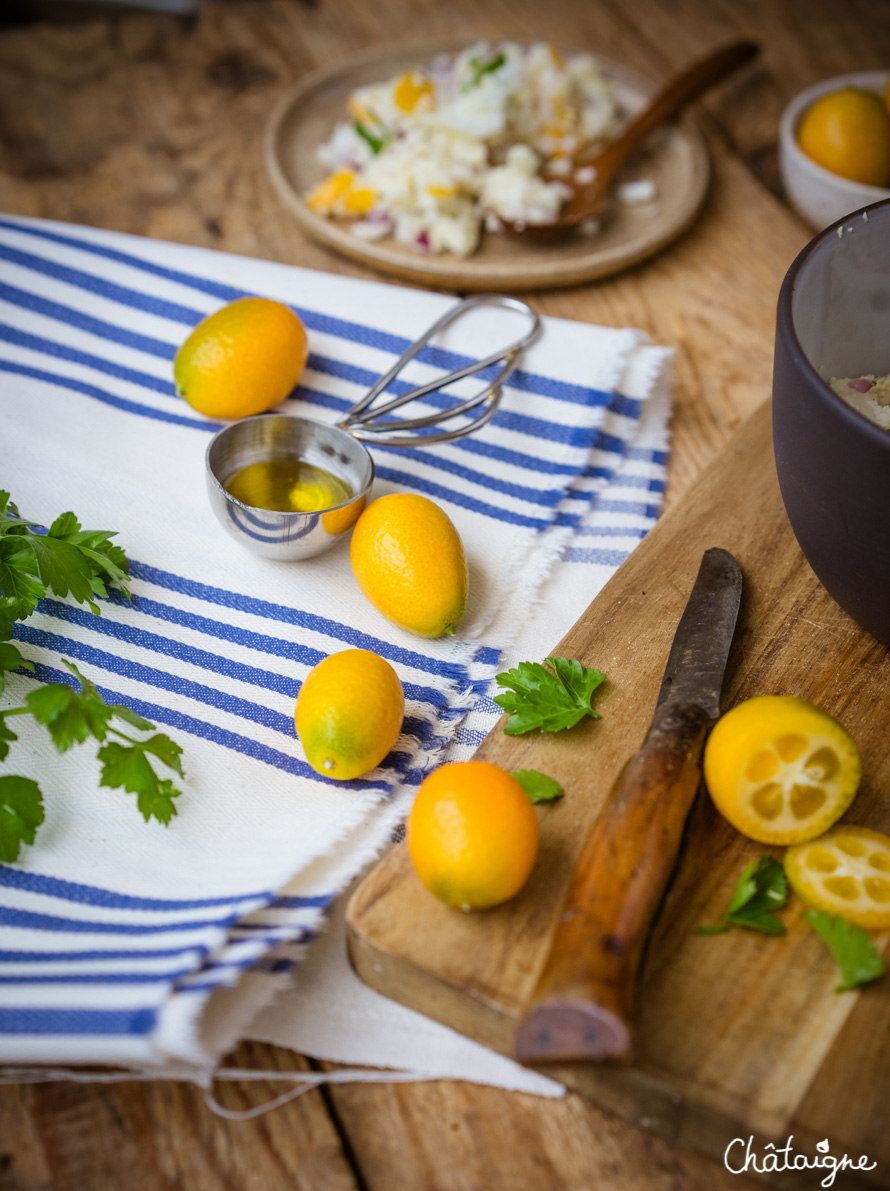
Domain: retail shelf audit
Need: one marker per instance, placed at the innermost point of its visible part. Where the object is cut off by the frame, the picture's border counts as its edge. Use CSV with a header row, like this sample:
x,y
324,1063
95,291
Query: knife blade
x,y
582,1007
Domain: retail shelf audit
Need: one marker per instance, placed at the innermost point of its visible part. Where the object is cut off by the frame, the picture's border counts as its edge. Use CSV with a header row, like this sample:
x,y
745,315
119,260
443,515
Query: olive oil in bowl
x,y
288,485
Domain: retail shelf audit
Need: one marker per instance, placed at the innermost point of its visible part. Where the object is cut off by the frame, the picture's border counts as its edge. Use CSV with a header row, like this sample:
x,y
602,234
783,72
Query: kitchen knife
x,y
581,1009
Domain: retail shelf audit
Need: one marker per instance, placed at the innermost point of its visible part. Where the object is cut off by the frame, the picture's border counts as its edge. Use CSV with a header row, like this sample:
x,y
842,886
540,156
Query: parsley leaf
x,y
18,579
130,768
480,69
538,786
63,568
859,960
65,560
760,892
69,560
539,698
70,716
21,813
6,734
10,521
10,659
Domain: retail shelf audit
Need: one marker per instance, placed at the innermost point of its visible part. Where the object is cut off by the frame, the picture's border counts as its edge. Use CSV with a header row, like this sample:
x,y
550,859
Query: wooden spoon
x,y
589,197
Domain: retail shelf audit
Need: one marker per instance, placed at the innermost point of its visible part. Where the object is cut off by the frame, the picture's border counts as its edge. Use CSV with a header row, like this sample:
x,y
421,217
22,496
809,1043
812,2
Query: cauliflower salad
x,y
434,155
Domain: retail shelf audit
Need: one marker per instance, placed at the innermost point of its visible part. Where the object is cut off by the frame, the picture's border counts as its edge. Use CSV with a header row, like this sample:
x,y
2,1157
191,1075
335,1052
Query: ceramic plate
x,y
676,159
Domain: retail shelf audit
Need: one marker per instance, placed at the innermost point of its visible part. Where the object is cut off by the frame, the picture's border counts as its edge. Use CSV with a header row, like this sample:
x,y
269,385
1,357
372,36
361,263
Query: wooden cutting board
x,y
739,1034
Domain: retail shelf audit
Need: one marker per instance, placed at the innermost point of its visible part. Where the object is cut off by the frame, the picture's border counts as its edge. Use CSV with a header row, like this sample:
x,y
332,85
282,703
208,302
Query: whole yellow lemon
x,y
349,713
848,132
410,563
241,360
472,835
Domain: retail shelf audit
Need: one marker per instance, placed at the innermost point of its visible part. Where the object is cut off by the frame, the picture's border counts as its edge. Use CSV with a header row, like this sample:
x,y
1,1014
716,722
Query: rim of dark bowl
x,y
786,328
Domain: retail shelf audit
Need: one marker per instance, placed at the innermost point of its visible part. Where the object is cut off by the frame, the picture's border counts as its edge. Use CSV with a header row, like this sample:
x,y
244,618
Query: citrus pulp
x,y
781,770
846,872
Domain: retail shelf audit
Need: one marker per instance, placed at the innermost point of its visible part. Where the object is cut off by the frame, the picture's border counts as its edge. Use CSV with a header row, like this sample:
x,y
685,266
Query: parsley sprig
x,y
65,560
68,560
859,960
761,891
548,699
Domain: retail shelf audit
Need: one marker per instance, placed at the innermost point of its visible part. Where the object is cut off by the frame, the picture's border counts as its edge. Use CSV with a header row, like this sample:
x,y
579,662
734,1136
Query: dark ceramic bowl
x,y
833,463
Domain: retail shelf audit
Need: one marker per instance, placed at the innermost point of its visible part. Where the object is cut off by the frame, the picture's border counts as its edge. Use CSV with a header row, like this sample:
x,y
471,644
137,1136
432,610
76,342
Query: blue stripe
x,y
587,437
646,455
167,351
86,322
122,403
224,968
341,328
41,957
613,531
77,1021
617,403
257,713
590,554
221,736
32,920
604,505
592,438
92,895
416,482
169,647
308,620
62,351
96,978
507,419
626,480
225,293
301,903
537,386
121,294
461,499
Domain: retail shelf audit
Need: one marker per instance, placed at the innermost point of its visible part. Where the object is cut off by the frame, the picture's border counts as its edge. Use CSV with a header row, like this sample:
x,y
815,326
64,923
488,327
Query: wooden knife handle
x,y
581,1009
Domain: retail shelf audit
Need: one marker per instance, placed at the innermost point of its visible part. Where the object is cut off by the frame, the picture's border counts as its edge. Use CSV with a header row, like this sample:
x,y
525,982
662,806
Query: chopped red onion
x,y
861,385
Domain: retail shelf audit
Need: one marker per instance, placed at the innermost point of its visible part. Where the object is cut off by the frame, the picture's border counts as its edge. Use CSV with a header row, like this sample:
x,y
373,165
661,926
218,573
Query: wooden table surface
x,y
152,124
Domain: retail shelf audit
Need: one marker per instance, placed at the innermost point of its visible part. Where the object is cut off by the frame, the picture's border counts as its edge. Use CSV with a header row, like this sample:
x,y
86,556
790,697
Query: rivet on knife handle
x,y
582,1007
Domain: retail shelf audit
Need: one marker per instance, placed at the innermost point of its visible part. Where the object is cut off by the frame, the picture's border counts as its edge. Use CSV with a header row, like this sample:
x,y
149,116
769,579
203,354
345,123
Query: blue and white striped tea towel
x,y
133,944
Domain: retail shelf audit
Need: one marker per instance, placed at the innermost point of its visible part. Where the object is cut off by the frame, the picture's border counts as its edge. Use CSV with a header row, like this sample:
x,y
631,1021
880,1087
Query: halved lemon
x,y
780,769
846,872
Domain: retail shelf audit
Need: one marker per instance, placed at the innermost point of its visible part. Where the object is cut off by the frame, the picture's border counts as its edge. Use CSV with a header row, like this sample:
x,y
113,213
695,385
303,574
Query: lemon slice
x,y
781,770
846,872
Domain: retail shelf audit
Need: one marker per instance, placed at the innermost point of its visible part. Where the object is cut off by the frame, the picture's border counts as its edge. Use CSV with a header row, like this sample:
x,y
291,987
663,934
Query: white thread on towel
x,y
306,1079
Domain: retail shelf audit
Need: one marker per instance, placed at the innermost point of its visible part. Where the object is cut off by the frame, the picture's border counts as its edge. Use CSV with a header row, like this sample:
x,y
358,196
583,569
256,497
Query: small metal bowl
x,y
340,450
272,534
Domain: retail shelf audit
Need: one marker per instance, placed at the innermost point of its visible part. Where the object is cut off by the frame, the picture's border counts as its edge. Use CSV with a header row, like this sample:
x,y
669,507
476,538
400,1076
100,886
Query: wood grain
x,y
152,124
737,1033
161,1136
